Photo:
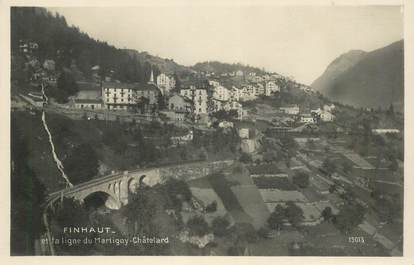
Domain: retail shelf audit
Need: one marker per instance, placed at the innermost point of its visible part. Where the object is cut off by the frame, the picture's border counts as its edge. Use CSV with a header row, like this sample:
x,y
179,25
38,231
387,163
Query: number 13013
x,y
356,239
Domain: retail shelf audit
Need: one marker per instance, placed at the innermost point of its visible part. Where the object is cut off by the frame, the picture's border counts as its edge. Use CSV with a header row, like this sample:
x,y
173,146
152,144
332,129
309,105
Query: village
x,y
295,169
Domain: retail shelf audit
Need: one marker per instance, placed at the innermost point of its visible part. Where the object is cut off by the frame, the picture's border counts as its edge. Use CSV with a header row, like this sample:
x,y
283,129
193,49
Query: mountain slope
x,y
375,79
336,68
219,67
69,47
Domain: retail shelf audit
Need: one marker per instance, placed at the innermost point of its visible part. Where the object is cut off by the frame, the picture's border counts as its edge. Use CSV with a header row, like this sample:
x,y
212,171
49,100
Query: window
x,y
93,106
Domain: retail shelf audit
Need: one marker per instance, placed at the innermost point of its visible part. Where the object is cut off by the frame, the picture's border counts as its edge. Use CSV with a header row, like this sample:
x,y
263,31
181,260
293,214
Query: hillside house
x,y
165,83
307,118
199,96
292,109
234,105
180,103
324,114
122,96
221,93
271,88
259,90
92,104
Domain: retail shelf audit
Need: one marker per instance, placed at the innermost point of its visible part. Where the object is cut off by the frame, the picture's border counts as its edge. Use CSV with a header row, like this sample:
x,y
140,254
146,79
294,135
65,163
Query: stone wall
x,y
193,170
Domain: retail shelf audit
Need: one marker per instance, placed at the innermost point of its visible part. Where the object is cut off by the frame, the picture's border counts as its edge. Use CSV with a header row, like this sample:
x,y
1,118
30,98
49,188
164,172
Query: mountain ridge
x,y
372,79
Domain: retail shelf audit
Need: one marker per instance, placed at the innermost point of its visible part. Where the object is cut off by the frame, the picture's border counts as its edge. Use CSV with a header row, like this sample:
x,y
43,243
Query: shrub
x,y
220,225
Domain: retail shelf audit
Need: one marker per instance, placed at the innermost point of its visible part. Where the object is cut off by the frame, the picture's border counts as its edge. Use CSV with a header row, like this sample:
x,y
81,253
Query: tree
x,y
329,165
82,165
71,213
212,207
245,232
245,158
220,225
66,86
277,218
327,214
350,215
176,192
293,213
115,139
141,210
346,167
301,179
27,194
197,226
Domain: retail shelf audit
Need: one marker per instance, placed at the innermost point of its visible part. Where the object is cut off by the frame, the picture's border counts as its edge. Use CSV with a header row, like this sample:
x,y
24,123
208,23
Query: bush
x,y
245,158
176,192
220,225
263,232
197,226
301,179
276,218
212,207
246,232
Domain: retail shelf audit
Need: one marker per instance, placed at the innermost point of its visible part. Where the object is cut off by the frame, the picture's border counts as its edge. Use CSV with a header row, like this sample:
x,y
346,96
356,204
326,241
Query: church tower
x,y
151,81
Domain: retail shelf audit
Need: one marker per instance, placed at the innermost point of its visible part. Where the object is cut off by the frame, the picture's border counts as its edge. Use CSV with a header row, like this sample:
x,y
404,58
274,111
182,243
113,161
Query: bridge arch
x,y
133,185
100,198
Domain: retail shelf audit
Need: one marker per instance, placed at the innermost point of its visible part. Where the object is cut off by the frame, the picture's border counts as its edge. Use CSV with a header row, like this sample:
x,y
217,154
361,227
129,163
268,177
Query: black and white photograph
x,y
207,130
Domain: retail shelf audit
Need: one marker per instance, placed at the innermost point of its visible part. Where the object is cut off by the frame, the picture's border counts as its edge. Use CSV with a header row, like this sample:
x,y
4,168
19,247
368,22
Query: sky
x,y
297,41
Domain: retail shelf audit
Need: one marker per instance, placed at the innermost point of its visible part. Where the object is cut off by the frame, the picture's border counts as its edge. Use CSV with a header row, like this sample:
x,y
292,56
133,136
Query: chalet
x,y
180,103
307,118
324,114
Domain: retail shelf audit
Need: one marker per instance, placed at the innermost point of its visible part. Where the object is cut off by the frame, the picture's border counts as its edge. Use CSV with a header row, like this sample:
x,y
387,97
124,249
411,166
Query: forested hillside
x,y
219,67
71,48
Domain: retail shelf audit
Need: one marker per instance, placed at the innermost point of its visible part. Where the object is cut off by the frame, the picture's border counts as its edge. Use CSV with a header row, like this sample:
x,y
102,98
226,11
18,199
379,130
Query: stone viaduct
x,y
117,187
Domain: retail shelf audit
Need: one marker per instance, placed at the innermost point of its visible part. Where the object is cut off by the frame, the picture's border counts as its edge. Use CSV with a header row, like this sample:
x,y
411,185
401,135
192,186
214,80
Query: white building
x,y
218,104
199,97
236,94
221,93
307,118
234,105
324,114
259,90
165,83
271,88
244,133
384,131
122,96
92,104
292,110
249,93
213,83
